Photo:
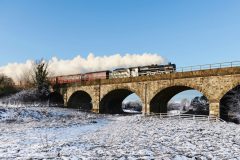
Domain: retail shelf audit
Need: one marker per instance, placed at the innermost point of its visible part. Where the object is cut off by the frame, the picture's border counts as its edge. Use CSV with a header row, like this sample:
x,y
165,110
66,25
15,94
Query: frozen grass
x,y
58,133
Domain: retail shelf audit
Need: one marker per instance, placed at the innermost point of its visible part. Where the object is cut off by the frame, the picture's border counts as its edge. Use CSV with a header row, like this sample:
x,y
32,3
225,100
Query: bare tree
x,y
26,79
184,104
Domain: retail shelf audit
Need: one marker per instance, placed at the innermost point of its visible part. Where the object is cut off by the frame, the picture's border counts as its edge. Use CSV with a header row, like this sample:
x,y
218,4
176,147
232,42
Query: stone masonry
x,y
213,83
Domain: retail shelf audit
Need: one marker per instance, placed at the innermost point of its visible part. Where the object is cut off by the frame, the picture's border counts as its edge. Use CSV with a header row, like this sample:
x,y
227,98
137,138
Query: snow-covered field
x,y
56,133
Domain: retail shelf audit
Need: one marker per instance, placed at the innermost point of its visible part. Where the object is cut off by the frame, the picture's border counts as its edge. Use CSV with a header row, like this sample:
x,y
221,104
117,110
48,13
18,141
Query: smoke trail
x,y
81,65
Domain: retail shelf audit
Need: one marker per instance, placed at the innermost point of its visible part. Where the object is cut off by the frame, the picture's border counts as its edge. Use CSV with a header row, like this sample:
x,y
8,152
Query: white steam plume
x,y
82,65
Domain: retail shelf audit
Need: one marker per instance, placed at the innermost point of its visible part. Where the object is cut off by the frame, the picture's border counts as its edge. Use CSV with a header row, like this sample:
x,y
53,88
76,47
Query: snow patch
x,y
68,134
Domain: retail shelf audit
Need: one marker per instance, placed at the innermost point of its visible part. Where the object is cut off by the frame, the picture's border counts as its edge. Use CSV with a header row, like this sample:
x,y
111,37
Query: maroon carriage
x,y
75,78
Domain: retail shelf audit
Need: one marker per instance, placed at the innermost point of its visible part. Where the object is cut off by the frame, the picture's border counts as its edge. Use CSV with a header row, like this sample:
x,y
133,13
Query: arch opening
x,y
180,99
230,105
132,104
112,103
56,99
80,100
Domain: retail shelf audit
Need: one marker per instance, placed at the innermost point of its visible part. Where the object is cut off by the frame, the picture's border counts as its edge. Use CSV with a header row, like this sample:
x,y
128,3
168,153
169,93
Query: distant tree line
x,y
198,105
229,106
36,80
6,86
134,106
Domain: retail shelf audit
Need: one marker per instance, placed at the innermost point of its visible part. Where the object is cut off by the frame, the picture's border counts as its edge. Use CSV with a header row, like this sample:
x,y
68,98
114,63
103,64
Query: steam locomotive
x,y
117,73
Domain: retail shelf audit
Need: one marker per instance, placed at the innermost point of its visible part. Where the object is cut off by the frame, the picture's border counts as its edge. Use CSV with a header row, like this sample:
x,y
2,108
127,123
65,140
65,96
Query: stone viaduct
x,y
106,96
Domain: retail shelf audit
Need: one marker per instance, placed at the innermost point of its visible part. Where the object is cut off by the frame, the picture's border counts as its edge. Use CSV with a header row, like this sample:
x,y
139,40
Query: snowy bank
x,y
87,136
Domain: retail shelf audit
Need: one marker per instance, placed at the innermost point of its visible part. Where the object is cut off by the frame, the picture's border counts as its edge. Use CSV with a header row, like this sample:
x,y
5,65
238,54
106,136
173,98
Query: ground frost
x,y
57,133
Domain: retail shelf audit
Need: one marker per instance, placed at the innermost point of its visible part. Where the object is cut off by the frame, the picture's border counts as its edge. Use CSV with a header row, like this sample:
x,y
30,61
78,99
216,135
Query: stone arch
x,y
229,105
111,101
225,90
189,85
81,100
132,89
158,103
56,99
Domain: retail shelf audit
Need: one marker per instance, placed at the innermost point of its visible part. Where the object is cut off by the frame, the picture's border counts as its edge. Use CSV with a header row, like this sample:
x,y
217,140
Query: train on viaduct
x,y
105,95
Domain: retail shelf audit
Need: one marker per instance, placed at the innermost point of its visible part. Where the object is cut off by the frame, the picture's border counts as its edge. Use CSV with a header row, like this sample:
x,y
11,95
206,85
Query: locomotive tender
x,y
117,73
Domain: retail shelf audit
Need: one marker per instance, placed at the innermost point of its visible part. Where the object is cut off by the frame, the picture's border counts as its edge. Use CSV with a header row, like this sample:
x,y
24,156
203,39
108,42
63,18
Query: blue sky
x,y
185,32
